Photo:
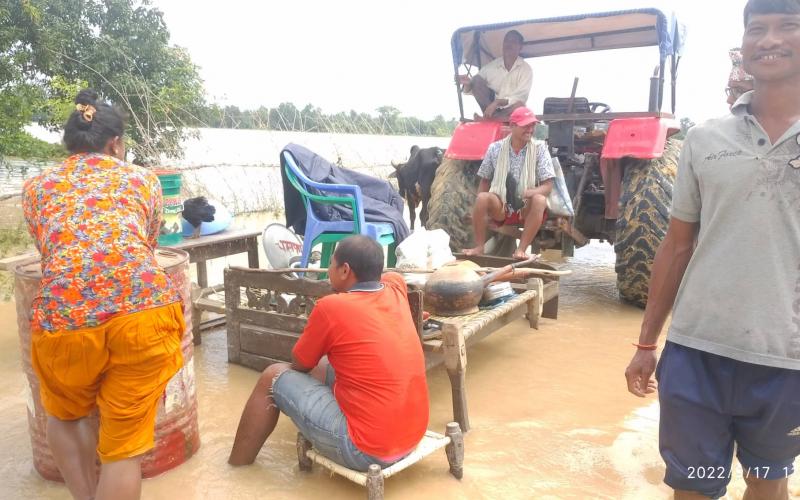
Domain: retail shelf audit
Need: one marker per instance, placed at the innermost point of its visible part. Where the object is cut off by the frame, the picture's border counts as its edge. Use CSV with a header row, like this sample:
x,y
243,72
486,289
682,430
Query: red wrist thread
x,y
646,347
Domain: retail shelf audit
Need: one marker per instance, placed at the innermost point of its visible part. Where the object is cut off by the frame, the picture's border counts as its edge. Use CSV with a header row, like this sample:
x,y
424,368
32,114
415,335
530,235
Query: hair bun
x,y
86,96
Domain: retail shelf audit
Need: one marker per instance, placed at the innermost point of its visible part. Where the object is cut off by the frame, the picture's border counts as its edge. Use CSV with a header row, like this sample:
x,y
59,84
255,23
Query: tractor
x,y
619,167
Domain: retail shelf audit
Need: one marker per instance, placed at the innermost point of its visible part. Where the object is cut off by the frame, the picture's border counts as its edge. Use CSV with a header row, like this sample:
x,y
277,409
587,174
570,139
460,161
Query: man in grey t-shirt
x,y
730,371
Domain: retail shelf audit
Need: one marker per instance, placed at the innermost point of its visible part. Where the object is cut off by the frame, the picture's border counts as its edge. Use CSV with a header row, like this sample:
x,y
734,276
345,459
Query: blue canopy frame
x,y
478,45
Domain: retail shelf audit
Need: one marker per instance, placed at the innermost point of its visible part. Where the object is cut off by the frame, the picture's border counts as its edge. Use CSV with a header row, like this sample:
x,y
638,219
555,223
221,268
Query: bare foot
x,y
472,251
521,255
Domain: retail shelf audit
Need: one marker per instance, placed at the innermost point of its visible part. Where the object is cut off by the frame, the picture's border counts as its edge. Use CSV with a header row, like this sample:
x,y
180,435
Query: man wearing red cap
x,y
516,177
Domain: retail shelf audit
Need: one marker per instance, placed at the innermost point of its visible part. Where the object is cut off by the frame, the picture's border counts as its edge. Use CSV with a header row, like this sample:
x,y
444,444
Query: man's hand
x,y
466,83
639,373
543,189
490,110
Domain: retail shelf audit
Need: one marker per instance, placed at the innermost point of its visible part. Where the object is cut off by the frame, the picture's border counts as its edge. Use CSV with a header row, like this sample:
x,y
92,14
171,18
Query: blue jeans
x,y
314,410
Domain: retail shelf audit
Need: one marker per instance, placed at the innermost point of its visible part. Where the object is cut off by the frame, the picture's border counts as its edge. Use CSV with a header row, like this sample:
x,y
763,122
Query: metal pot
x,y
456,290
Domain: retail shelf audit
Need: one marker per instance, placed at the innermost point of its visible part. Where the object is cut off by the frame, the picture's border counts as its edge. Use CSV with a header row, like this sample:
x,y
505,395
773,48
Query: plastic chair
x,y
330,232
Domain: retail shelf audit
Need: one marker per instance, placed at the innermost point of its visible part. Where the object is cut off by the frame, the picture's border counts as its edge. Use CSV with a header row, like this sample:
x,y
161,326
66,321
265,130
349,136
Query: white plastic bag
x,y
412,252
439,248
424,249
558,201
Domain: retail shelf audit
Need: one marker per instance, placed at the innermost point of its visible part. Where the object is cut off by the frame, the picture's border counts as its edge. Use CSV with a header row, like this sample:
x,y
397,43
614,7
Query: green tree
x,y
388,119
120,48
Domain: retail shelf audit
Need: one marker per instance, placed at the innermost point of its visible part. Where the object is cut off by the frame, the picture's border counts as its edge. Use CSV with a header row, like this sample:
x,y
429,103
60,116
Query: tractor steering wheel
x,y
599,107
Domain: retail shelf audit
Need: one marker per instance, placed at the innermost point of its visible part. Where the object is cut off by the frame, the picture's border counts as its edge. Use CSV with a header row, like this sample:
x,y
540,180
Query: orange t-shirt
x,y
372,344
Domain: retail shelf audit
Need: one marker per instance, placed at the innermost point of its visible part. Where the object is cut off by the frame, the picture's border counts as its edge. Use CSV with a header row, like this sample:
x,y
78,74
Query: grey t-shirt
x,y
740,296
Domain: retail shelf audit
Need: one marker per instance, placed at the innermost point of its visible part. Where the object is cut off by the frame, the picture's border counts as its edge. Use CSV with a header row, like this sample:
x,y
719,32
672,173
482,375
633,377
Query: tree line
x,y
288,117
50,49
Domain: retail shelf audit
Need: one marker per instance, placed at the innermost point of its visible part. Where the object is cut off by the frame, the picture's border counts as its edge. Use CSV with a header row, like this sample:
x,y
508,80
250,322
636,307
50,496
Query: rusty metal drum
x,y
177,433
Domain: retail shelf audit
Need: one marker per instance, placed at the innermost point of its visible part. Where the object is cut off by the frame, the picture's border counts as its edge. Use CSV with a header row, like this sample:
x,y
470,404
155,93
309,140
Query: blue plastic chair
x,y
330,232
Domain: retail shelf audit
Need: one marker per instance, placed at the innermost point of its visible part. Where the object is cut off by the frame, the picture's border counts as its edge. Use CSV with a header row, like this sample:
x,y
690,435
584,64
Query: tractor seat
x,y
559,105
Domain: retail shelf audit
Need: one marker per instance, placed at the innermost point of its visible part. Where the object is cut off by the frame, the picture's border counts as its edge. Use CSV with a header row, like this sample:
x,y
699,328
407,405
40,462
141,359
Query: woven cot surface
x,y
431,442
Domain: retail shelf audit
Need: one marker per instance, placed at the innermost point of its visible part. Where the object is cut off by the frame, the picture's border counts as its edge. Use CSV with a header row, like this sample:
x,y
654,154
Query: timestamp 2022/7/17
x,y
718,472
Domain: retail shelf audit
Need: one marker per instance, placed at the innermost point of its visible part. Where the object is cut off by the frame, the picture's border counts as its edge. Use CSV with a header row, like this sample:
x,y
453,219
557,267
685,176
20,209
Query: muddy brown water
x,y
550,414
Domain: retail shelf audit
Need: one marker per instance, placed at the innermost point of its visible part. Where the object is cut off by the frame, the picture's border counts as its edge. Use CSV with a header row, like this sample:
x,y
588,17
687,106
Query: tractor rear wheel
x,y
644,205
452,197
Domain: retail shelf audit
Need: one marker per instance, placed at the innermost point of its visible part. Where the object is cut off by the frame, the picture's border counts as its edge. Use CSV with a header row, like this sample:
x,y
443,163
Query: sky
x,y
343,55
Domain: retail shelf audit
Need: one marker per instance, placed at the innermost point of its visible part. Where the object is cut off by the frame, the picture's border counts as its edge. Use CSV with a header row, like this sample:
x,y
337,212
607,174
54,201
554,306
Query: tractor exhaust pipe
x,y
655,88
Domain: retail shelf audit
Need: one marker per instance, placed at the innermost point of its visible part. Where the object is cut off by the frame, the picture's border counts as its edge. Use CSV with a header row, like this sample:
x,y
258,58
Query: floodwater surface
x,y
550,416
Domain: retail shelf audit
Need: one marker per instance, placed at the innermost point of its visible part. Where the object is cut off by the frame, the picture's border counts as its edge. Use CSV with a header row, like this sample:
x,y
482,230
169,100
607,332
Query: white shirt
x,y
514,85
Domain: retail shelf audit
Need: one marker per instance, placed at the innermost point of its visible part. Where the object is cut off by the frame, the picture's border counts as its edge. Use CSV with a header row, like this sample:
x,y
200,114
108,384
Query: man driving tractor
x,y
504,84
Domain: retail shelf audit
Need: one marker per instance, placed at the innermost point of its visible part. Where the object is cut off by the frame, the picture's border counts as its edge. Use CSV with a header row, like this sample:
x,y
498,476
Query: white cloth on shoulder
x,y
527,175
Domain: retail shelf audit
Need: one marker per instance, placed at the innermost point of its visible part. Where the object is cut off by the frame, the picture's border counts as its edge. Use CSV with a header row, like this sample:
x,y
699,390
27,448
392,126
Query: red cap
x,y
522,116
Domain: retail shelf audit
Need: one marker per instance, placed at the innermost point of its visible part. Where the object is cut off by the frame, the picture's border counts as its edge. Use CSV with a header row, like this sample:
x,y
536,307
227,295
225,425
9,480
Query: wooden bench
x,y
267,310
214,246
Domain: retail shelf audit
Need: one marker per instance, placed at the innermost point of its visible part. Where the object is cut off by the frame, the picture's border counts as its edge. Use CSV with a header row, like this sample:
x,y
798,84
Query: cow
x,y
415,177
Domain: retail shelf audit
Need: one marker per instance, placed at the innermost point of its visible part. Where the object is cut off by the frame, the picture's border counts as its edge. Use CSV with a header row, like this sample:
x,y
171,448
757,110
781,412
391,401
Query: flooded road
x,y
550,414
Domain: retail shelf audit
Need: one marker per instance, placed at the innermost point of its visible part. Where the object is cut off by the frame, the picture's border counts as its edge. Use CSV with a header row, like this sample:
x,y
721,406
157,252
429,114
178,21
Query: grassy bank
x,y
20,144
13,241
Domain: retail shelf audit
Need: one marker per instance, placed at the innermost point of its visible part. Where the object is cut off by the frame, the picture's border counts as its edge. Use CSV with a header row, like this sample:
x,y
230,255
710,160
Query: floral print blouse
x,y
95,220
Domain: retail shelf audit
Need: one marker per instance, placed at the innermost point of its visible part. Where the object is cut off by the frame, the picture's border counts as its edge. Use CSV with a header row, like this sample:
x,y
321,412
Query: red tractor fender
x,y
638,137
470,139
630,137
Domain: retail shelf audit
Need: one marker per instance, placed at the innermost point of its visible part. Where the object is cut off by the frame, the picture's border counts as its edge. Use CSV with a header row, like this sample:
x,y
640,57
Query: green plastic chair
x,y
328,233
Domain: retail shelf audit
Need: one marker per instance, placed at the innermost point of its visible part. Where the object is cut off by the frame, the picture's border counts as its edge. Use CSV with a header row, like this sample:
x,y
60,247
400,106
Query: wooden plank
x,y
534,306
252,252
9,263
550,308
433,359
275,344
224,237
415,298
232,301
492,261
573,232
283,283
215,250
496,324
271,319
256,362
209,305
455,360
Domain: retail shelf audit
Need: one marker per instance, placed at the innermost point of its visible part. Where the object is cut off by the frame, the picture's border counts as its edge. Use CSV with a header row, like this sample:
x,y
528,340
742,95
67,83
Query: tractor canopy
x,y
477,45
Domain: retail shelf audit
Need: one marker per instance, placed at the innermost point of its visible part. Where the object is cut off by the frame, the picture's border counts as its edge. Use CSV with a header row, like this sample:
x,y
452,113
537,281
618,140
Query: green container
x,y
171,227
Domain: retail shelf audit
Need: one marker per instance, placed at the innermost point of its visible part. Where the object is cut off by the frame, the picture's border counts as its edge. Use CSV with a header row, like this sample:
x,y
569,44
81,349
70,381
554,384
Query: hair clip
x,y
88,111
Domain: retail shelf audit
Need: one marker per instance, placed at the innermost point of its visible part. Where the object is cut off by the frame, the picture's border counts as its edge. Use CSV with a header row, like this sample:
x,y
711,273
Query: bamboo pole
x,y
520,271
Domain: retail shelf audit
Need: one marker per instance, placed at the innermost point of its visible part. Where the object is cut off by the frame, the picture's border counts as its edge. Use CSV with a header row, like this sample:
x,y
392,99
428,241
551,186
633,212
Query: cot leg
x,y
455,360
303,445
455,450
374,483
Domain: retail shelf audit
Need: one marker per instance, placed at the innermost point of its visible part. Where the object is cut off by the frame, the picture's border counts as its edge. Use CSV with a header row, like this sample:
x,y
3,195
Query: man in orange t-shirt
x,y
368,402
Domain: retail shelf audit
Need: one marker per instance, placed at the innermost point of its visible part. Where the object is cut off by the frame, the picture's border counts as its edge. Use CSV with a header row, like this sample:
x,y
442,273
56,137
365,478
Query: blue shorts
x,y
708,403
314,410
